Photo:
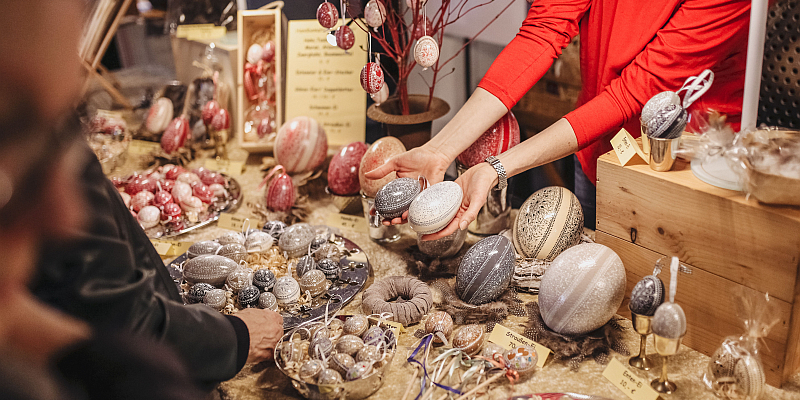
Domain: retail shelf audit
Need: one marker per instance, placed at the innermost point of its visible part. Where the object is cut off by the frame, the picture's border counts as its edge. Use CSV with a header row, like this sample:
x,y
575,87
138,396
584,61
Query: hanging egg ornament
x,y
328,250
296,239
341,362
258,242
327,15
329,377
374,13
522,359
280,194
254,53
197,292
669,321
269,51
345,38
311,369
486,270
372,77
426,52
264,279
440,324
469,339
313,283
267,301
647,295
356,325
159,115
211,109
275,228
549,222
301,145
434,208
248,296
202,248
304,264
659,101
359,370
215,299
240,278
501,136
193,205
286,290
349,344
139,183
149,217
175,135
211,269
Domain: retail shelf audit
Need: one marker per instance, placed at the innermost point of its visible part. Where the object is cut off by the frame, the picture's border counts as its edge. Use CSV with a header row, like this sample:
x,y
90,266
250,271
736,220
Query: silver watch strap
x,y
502,181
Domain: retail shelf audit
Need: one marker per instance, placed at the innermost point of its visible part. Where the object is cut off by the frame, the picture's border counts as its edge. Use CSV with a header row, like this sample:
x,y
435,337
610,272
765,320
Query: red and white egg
x,y
501,136
301,145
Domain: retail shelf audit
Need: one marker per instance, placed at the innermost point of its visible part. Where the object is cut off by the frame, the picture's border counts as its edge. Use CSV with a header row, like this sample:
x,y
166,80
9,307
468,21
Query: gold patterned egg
x,y
439,322
469,339
349,344
314,283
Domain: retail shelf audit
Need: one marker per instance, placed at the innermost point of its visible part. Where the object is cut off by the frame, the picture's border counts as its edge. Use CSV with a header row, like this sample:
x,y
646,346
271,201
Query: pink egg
x,y
374,13
209,111
423,29
503,135
171,213
159,115
372,77
189,178
218,190
162,198
426,52
269,51
175,135
301,145
327,15
181,191
345,38
167,185
149,217
141,200
382,150
192,204
221,121
203,193
280,194
212,177
343,169
174,172
139,183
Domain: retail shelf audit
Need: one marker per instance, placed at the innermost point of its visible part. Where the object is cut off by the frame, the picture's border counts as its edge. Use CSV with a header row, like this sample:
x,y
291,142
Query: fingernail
x,y
463,225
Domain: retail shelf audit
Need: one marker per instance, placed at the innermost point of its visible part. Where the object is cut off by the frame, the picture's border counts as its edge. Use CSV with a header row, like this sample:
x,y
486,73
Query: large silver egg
x,y
211,269
669,321
396,196
549,222
296,240
486,270
435,207
286,290
647,295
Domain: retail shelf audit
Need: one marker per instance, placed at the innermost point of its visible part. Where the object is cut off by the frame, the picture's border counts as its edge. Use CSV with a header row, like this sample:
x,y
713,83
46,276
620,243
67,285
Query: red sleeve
x,y
547,30
701,35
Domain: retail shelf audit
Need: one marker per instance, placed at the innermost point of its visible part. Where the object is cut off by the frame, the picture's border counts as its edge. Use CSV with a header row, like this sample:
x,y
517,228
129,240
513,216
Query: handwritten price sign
x,y
629,383
626,147
347,222
507,339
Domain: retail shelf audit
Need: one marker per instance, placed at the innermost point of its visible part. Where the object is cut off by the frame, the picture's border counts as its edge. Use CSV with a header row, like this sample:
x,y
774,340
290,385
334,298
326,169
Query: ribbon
x,y
511,373
423,346
269,175
442,360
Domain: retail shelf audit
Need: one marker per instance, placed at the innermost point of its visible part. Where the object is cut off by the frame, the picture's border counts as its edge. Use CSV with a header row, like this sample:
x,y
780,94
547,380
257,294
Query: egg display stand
x,y
356,275
665,347
642,326
235,193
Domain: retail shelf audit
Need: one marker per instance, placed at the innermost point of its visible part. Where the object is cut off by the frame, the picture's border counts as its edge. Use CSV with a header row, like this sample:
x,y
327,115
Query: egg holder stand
x,y
230,205
666,347
355,276
378,232
495,215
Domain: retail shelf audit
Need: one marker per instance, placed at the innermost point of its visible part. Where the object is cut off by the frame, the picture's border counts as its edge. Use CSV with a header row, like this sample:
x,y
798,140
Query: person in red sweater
x,y
630,51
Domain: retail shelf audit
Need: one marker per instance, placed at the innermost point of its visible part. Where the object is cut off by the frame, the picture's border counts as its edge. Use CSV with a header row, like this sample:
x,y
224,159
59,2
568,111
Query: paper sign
x,y
507,339
162,248
629,383
143,147
323,81
170,248
236,222
225,166
200,31
626,147
395,326
348,222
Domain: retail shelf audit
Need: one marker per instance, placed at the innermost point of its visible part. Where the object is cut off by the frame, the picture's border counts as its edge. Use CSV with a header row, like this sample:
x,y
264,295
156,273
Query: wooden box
x,y
727,240
249,22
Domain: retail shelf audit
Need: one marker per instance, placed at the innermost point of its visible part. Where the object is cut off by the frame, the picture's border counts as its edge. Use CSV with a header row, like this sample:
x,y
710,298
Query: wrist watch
x,y
502,182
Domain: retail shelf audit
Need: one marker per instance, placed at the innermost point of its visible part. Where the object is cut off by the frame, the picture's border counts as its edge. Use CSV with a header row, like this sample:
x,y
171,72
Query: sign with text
x,y
626,147
629,383
507,339
170,248
237,222
347,222
322,81
225,166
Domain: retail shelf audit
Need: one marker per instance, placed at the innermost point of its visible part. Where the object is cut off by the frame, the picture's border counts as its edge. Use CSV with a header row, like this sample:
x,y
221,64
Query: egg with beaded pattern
x,y
343,169
296,240
356,325
267,301
395,198
439,322
202,248
669,321
330,268
211,269
327,15
341,362
240,278
197,292
647,295
549,222
301,145
486,270
216,299
426,52
286,290
376,155
500,137
582,289
264,279
522,359
248,296
749,377
435,207
469,338
313,283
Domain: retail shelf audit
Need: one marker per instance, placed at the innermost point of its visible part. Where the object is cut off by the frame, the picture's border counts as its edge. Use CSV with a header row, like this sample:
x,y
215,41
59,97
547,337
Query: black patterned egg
x,y
329,377
197,292
211,269
749,377
549,222
313,283
267,301
274,228
330,268
216,299
349,344
258,241
396,196
202,248
342,362
264,279
234,251
356,325
248,296
647,295
231,238
240,278
295,241
486,270
304,264
286,290
669,321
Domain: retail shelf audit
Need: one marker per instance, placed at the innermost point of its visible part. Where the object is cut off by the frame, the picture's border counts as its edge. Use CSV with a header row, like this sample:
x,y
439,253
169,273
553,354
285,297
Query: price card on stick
x,y
170,248
508,339
629,383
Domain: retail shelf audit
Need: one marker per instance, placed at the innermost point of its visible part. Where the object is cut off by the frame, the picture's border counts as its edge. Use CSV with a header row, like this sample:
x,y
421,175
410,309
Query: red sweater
x,y
630,50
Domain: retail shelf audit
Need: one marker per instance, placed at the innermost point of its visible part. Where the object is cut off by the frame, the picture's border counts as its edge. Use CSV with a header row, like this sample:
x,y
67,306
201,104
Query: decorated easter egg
x,y
426,52
435,207
522,359
330,268
469,338
439,322
162,198
234,251
286,290
356,325
192,204
447,246
582,289
264,279
221,121
254,53
374,13
749,377
301,145
329,377
667,123
140,183
327,250
181,191
171,213
248,296
210,109
722,364
293,351
660,101
159,115
267,301
304,264
280,195
296,239
549,222
343,169
240,278
669,321
341,362
175,135
349,344
320,347
215,299
141,200
231,238
647,295
382,94
269,51
486,270
369,353
211,269
360,370
275,228
327,15
197,292
501,136
345,38
373,335
316,243
311,369
202,248
258,242
395,198
372,77
149,217
376,155
314,283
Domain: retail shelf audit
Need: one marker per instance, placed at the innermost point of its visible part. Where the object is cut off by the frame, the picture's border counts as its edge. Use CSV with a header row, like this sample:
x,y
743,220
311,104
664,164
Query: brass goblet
x,y
665,347
642,326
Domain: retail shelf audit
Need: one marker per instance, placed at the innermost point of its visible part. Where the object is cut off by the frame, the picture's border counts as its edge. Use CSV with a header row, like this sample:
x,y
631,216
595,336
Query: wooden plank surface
x,y
708,302
714,229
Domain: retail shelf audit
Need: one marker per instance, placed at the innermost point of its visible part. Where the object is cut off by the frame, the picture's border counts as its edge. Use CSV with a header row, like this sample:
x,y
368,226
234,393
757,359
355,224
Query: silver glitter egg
x,y
304,264
314,283
657,102
197,292
549,222
327,250
274,228
369,353
216,299
202,248
341,362
330,268
320,347
296,240
373,336
359,371
435,207
469,338
231,238
647,295
669,321
486,270
267,301
667,122
310,370
286,290
396,196
582,289
749,377
447,246
349,344
356,325
234,251
264,279
211,269
248,296
329,377
258,242
240,278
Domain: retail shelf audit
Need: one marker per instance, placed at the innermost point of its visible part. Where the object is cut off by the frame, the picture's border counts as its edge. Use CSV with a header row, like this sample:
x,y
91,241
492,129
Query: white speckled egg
x,y
267,300
369,353
304,264
549,222
647,295
356,325
202,248
212,269
435,207
314,283
669,321
486,270
286,290
395,198
258,241
373,336
582,289
197,292
296,239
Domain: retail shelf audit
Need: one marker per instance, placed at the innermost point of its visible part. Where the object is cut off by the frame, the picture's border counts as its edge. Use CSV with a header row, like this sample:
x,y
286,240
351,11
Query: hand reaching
x,y
266,328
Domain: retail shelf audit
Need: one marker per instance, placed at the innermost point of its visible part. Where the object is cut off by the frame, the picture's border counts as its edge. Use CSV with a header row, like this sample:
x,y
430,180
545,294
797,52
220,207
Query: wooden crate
x,y
248,22
728,240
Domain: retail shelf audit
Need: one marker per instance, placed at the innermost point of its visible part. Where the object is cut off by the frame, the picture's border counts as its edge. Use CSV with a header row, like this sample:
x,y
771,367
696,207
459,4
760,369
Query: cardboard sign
x,y
629,383
170,248
626,147
323,81
143,147
395,326
347,222
225,166
507,339
236,222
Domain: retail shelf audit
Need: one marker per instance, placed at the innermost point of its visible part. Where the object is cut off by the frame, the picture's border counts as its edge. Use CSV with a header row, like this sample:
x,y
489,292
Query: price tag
x,y
507,339
395,326
200,31
225,166
348,222
629,383
236,222
162,248
143,147
626,147
170,248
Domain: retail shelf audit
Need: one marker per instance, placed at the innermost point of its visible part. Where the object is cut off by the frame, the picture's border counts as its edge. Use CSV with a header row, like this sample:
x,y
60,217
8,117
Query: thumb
x,y
471,213
383,170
